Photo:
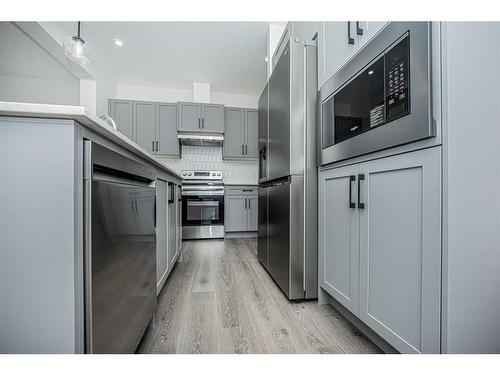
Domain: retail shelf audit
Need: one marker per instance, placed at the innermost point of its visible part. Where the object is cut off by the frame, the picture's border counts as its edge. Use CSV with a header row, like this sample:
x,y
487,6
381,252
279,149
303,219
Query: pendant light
x,y
77,50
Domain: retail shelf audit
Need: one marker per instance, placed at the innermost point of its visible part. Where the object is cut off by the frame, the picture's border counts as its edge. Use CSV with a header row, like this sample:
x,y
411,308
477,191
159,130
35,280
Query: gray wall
x,y
471,230
29,74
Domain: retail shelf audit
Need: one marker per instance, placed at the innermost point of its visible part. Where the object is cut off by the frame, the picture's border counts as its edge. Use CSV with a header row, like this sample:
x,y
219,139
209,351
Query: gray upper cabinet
x,y
383,219
400,250
152,125
213,118
234,137
121,111
251,133
190,117
204,118
145,125
166,129
241,135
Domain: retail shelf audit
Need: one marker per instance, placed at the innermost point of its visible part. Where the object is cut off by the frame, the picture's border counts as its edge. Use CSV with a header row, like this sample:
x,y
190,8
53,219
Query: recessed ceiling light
x,y
118,42
370,72
266,59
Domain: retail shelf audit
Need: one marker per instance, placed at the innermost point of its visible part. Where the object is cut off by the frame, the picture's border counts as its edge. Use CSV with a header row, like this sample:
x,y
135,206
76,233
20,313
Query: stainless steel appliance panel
x,y
418,124
262,227
263,120
202,232
123,265
279,118
278,232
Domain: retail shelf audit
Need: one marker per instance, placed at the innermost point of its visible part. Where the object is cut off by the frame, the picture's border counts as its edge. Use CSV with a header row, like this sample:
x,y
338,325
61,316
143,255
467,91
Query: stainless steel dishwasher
x,y
119,250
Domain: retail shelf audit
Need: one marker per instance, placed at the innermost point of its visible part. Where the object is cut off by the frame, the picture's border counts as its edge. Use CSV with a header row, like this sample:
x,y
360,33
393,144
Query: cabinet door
x,y
190,117
172,224
236,214
234,137
166,129
370,29
333,48
251,133
338,231
179,219
252,208
161,234
400,250
213,118
122,112
145,125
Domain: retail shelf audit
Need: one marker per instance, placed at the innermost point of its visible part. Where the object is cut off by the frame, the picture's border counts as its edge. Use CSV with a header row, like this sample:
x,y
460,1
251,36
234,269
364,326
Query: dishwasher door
x,y
123,265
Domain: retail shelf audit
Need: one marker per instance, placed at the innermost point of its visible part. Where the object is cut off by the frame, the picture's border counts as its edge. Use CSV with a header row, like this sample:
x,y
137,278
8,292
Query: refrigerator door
x,y
278,232
279,118
262,239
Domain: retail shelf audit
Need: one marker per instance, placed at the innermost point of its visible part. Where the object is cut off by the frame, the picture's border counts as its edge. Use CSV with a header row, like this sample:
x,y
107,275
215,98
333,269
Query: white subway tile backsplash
x,y
210,158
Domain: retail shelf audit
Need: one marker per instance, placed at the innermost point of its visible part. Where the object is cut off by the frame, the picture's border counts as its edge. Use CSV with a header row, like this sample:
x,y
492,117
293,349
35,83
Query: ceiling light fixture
x,y
76,49
266,59
119,42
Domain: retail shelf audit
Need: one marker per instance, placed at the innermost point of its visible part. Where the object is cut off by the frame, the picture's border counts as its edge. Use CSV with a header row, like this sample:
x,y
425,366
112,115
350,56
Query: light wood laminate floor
x,y
220,299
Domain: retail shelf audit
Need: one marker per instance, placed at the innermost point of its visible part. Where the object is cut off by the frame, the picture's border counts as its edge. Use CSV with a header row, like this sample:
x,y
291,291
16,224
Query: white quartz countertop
x,y
86,119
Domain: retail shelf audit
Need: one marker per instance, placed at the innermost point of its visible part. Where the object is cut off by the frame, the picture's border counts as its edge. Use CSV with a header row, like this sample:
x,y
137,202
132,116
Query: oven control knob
x,y
189,174
184,173
218,174
213,173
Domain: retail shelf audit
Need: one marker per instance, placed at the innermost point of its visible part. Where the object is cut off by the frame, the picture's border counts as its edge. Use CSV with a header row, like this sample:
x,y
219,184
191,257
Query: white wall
x,y
165,94
29,74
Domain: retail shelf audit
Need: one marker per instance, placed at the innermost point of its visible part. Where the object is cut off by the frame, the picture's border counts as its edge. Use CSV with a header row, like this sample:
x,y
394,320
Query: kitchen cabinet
x,y
161,233
145,125
198,117
383,218
152,125
241,209
241,134
173,204
166,129
339,235
339,41
121,111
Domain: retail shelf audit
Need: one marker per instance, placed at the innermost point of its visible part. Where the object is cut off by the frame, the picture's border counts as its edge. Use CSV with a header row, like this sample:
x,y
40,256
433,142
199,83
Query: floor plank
x,y
221,300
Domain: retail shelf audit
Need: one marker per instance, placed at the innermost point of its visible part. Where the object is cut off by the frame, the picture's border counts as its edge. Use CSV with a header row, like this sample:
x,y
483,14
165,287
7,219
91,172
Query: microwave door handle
x,y
350,40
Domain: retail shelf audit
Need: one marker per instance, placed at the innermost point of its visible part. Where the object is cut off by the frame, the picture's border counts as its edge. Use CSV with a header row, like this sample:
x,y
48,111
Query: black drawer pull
x,y
349,39
351,203
361,205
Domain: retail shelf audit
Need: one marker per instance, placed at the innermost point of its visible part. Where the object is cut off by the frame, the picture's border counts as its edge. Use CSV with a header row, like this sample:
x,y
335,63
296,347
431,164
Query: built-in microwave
x,y
381,98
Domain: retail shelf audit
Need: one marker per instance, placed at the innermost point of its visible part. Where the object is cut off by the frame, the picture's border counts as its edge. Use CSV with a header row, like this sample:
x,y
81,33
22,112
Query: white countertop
x,y
85,118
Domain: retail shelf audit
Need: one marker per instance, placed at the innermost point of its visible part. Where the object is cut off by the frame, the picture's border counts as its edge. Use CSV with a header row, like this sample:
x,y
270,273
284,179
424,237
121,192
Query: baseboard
x,y
241,234
325,298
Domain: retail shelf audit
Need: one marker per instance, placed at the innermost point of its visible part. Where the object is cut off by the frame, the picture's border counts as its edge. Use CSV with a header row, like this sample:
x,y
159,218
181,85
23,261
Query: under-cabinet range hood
x,y
201,140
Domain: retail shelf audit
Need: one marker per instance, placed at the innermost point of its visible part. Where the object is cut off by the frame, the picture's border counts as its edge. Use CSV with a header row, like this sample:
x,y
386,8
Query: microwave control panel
x,y
397,69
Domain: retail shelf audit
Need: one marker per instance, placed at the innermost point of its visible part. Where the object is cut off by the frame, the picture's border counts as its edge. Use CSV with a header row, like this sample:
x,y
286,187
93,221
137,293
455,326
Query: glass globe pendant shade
x,y
77,50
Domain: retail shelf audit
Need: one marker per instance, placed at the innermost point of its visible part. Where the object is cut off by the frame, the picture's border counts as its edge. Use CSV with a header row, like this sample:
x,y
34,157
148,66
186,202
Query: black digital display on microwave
x,y
379,94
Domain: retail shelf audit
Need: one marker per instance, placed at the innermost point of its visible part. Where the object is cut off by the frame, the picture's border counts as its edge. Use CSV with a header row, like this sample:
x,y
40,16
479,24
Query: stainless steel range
x,y
202,205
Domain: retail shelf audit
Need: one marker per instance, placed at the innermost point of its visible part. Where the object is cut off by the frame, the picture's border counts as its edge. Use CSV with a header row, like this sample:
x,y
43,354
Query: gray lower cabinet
x,y
161,233
241,133
241,209
172,224
392,235
199,117
122,112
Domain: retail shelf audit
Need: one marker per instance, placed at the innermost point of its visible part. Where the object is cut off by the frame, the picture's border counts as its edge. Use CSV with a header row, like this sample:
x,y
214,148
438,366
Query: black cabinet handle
x,y
203,123
242,149
156,145
359,30
245,203
349,39
248,203
199,123
246,149
351,180
361,205
153,146
172,193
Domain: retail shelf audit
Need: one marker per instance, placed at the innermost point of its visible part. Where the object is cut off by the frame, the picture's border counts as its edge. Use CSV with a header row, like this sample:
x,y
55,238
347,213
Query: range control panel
x,y
202,175
397,80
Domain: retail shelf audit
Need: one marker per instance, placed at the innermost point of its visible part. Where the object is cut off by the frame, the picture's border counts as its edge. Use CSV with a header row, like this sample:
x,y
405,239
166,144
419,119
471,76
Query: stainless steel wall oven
x,y
381,98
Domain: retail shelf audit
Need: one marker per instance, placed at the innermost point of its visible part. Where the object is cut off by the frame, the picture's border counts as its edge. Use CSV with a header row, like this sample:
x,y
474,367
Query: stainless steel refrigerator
x,y
287,243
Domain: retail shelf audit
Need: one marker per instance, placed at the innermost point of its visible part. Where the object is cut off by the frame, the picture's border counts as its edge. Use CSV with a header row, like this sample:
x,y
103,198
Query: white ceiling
x,y
229,55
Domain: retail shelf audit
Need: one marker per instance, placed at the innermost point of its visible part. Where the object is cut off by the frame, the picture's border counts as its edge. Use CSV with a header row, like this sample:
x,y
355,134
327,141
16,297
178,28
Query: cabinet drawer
x,y
242,190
